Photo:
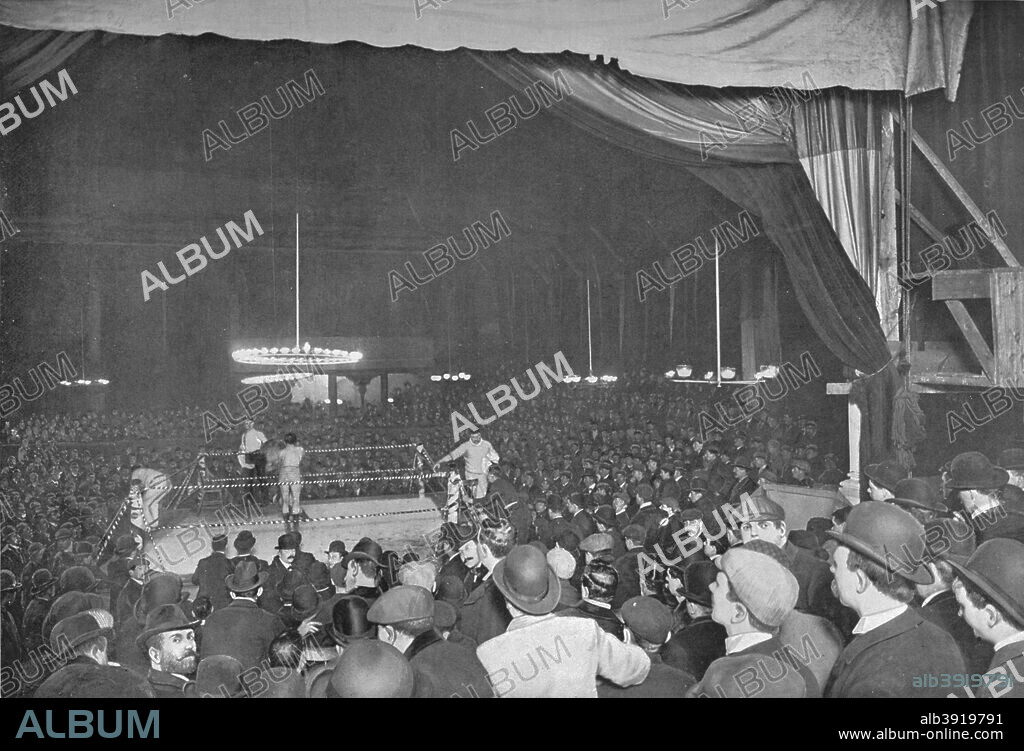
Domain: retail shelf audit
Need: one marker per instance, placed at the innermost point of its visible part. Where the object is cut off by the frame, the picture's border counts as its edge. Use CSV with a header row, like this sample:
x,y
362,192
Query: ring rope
x,y
323,450
314,519
334,480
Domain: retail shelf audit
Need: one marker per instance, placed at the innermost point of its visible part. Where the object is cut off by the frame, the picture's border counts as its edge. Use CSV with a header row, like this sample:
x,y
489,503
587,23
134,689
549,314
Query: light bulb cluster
x,y
460,376
684,371
86,382
591,379
276,378
295,355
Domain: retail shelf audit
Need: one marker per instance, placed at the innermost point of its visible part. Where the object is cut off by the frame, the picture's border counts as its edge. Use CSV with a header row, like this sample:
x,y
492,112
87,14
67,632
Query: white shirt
x,y
1015,637
252,440
479,456
739,642
873,621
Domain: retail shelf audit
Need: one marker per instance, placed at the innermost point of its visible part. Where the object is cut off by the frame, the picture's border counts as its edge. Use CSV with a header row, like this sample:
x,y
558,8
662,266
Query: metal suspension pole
x,y
296,280
718,318
590,342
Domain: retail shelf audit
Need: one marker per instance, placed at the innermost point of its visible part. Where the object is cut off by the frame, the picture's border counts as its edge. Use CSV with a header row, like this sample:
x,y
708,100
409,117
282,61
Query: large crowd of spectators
x,y
619,523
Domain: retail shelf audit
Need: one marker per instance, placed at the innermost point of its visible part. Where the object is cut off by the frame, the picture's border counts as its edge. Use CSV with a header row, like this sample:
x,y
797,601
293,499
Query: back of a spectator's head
x,y
498,537
600,580
285,651
420,574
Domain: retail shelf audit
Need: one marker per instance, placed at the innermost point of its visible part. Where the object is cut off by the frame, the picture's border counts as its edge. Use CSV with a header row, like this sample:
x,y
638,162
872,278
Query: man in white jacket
x,y
479,455
544,654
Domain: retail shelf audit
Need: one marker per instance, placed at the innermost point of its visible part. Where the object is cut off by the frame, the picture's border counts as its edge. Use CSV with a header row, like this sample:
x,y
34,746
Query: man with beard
x,y
169,640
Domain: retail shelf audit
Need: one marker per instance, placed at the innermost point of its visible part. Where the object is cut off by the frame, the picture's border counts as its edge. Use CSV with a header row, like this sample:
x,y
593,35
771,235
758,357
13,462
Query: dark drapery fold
x,y
833,296
757,168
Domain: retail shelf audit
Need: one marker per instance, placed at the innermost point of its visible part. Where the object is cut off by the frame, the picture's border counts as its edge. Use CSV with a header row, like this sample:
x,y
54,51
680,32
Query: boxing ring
x,y
181,532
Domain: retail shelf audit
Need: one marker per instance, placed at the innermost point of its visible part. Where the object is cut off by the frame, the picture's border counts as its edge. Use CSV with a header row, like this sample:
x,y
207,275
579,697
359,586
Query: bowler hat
x,y
917,493
889,536
526,580
319,576
445,615
336,546
1011,459
219,541
371,670
886,474
244,541
604,514
246,577
949,538
42,580
77,579
349,621
451,589
218,677
365,550
647,618
401,604
162,589
997,569
79,628
124,545
305,601
972,470
164,618
697,578
287,541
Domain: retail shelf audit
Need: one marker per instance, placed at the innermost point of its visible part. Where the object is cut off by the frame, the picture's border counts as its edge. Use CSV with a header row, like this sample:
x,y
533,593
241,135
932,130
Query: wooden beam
x,y
952,379
961,285
974,338
972,208
1007,333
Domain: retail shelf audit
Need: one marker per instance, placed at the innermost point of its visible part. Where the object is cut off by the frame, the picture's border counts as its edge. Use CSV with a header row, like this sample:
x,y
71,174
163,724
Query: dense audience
x,y
625,546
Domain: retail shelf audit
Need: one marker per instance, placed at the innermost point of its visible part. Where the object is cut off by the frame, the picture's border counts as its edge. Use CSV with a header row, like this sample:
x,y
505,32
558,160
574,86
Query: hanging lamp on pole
x,y
297,356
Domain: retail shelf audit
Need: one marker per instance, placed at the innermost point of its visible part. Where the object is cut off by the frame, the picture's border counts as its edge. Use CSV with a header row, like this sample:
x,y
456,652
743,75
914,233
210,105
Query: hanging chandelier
x,y
276,378
83,381
304,356
590,379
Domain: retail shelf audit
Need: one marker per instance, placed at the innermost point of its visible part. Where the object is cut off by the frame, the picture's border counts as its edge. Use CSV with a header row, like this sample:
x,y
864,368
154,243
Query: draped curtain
x,y
741,146
838,141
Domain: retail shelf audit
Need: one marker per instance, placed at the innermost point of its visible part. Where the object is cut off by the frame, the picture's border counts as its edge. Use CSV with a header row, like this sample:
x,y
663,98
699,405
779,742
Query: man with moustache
x,y
169,640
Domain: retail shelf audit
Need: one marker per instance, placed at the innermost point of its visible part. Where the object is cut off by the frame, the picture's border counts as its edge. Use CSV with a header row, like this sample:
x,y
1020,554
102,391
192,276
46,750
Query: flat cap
x,y
647,618
400,604
767,589
597,542
758,507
